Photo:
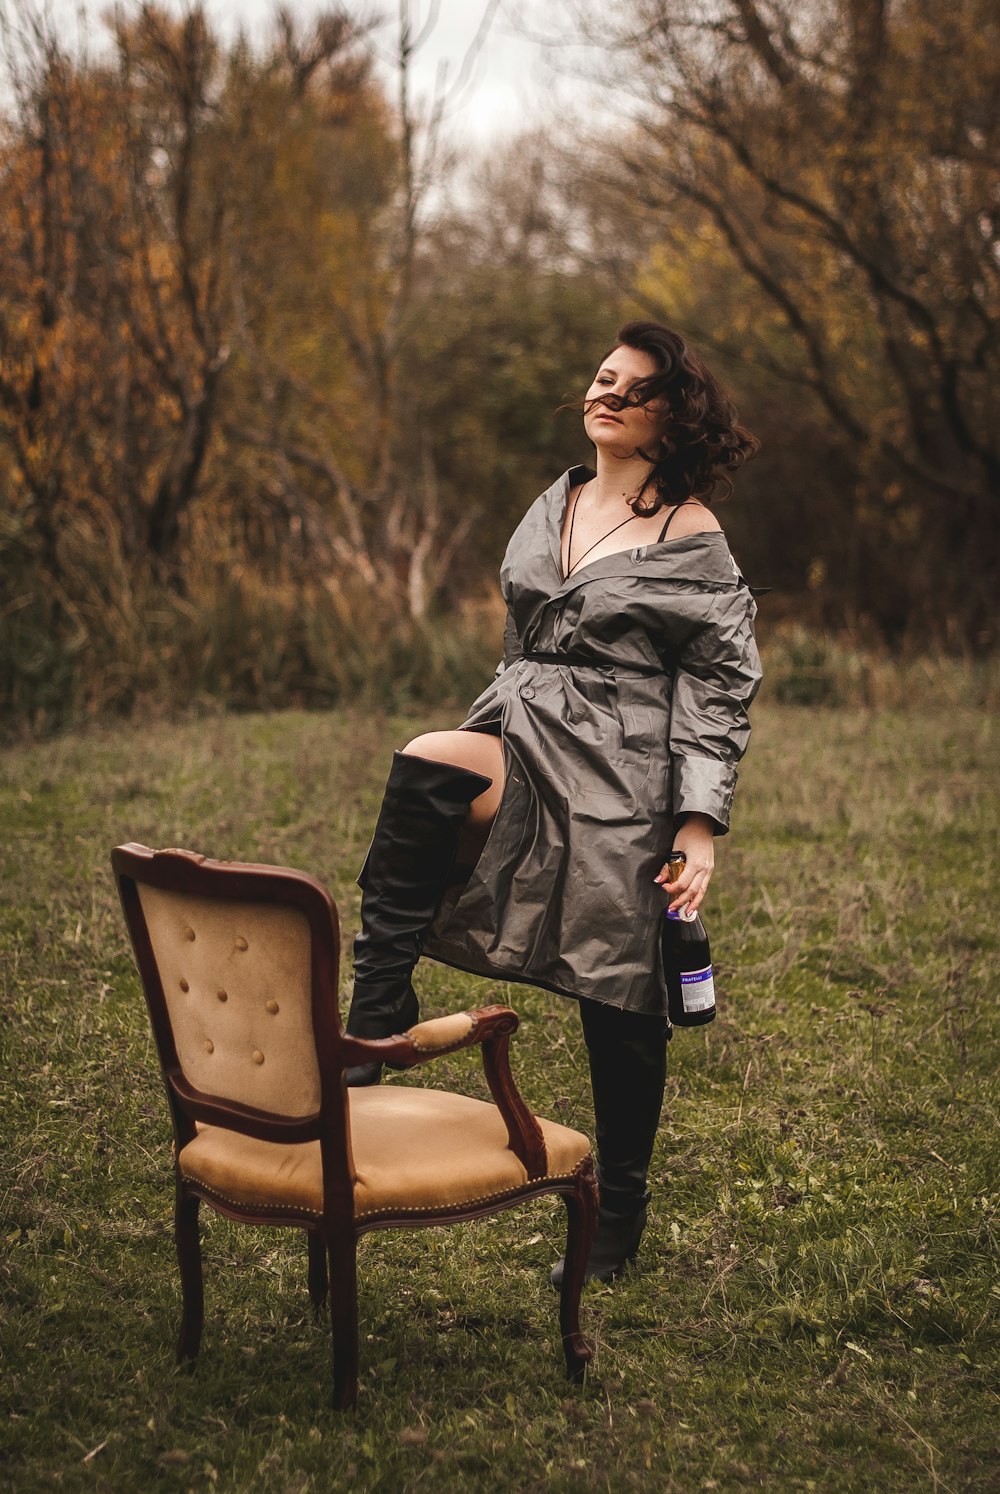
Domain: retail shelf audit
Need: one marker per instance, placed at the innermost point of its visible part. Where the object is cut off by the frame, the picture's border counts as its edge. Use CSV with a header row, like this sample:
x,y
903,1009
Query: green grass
x,y
816,1300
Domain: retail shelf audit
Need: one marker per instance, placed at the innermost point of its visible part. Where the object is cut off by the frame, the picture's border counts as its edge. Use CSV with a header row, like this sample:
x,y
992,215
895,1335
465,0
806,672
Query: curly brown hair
x,y
703,442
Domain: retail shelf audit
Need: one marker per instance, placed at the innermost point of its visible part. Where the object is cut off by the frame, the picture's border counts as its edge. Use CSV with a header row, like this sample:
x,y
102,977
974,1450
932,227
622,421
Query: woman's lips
x,y
606,415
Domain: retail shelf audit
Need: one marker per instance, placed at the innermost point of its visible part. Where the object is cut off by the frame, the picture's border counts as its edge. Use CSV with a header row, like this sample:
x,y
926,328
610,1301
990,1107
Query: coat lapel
x,y
557,499
700,560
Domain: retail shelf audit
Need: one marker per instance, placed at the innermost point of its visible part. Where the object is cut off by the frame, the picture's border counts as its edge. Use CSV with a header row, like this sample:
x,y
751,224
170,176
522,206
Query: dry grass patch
x,y
816,1302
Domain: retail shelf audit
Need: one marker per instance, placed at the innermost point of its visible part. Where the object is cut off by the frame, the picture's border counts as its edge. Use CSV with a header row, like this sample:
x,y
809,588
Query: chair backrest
x,y
239,964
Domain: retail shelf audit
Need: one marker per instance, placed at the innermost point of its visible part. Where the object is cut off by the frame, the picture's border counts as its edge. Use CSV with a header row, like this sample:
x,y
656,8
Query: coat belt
x,y
569,660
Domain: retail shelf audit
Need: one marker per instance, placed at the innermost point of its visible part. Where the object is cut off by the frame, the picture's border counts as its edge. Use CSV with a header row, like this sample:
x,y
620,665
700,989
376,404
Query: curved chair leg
x,y
188,1243
581,1206
318,1283
343,1256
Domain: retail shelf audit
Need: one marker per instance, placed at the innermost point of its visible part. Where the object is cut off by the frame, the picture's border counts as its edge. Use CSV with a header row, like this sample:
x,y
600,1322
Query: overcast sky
x,y
510,77
515,77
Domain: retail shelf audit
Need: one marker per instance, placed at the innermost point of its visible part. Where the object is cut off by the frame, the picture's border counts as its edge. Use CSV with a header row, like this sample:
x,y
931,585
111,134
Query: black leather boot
x,y
403,880
628,1067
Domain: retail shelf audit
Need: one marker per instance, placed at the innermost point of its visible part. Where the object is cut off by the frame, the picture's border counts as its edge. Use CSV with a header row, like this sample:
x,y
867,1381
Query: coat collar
x,y
700,558
556,499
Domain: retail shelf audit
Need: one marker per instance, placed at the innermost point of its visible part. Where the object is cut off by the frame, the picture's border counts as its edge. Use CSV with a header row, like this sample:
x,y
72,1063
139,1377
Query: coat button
x,y
527,693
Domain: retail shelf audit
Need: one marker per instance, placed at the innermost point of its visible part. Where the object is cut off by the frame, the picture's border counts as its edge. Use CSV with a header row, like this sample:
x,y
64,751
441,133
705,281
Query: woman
x,y
609,736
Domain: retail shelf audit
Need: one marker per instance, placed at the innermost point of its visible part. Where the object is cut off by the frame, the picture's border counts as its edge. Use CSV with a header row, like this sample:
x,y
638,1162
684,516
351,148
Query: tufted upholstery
x,y
236,980
240,968
414,1149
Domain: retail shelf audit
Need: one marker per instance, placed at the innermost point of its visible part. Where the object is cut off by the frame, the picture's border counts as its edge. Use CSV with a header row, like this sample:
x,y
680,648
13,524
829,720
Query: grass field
x,y
816,1301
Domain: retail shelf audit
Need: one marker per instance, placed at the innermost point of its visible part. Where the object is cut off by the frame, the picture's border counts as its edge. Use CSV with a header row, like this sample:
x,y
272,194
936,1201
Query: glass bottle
x,y
687,962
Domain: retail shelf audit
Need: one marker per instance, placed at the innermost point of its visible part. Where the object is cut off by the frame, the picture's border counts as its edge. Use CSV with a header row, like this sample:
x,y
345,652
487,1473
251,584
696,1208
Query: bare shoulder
x,y
693,518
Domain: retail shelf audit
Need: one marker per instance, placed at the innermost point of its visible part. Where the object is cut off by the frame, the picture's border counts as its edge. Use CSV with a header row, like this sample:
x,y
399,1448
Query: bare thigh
x,y
476,751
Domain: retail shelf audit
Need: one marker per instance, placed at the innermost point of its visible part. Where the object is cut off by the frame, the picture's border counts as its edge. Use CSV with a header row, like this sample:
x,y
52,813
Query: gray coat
x,y
641,716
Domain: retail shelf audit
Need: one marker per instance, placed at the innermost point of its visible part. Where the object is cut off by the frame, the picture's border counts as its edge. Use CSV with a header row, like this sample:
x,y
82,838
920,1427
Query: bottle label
x,y
697,989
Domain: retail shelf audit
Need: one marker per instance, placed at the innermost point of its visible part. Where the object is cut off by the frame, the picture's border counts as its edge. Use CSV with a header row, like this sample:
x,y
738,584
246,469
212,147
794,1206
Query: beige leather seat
x,y
414,1150
239,965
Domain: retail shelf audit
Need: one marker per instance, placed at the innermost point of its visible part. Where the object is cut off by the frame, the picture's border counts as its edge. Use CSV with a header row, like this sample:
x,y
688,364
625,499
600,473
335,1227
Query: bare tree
x,y
842,157
388,525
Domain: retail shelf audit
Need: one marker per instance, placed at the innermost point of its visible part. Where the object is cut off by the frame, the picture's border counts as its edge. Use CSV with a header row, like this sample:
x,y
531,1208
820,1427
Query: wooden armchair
x,y
239,964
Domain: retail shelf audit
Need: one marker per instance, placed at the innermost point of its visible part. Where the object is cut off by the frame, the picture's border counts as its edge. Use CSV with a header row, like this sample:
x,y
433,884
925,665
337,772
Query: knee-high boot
x,y
403,880
628,1065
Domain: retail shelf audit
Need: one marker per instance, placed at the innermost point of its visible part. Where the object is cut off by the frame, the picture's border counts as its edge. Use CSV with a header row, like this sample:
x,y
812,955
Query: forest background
x,y
281,352
281,356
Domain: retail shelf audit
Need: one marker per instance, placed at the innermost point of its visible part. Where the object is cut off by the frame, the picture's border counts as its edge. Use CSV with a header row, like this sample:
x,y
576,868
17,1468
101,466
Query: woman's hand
x,y
696,838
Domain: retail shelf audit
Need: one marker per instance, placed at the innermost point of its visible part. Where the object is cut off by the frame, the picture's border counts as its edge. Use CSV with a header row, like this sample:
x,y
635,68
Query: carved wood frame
x,y
333,1235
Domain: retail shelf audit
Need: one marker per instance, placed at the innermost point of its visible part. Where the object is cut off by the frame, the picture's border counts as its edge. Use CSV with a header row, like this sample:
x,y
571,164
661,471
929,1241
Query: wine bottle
x,y
687,962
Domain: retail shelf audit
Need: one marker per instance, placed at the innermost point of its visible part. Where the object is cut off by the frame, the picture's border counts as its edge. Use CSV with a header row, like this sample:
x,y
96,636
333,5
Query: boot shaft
x,y
403,879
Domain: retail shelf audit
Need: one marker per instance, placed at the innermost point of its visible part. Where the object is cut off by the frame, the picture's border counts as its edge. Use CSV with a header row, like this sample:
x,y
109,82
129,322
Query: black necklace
x,y
569,547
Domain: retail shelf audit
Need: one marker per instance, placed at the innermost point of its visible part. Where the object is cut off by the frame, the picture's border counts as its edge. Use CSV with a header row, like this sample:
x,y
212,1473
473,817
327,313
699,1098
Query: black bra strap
x,y
666,525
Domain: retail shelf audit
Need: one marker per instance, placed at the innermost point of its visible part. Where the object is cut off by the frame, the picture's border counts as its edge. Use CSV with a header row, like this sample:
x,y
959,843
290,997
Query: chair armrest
x,y
431,1039
461,1030
490,1026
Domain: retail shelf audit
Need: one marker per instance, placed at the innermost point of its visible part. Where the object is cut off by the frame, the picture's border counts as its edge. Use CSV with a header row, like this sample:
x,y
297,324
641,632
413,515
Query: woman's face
x,y
613,425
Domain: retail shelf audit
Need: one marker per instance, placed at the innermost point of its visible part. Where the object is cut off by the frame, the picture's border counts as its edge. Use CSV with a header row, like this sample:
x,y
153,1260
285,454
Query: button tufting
x,y
272,1007
189,935
184,984
222,995
241,943
209,1046
258,1056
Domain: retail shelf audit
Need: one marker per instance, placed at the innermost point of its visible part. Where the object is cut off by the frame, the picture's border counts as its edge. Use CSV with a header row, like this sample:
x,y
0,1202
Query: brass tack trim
x,y
241,1203
283,1208
549,1177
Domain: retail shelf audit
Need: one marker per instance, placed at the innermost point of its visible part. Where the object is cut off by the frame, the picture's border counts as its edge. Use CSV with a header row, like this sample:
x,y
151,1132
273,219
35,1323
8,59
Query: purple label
x,y
697,989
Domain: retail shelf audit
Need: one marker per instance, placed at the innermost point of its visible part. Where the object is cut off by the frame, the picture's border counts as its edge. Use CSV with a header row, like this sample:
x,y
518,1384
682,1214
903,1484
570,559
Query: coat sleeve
x,y
512,649
717,676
